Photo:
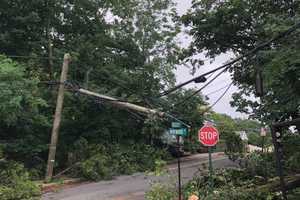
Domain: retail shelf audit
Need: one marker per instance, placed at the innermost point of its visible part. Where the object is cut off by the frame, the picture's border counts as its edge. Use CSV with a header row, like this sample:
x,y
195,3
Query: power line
x,y
215,91
219,83
197,91
220,97
77,89
227,65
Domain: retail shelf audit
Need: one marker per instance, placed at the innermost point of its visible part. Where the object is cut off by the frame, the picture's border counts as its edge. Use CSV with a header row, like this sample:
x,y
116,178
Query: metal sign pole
x,y
179,170
211,184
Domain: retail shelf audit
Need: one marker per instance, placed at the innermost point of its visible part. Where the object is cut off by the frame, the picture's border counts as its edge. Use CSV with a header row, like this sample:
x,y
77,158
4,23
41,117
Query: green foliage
x,y
160,191
160,167
15,183
19,99
234,144
1,151
291,149
192,145
227,127
21,112
96,168
260,164
126,49
97,162
253,180
226,193
228,184
237,26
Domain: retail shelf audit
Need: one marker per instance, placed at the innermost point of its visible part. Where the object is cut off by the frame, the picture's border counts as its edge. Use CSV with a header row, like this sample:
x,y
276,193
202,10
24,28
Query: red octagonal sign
x,y
208,135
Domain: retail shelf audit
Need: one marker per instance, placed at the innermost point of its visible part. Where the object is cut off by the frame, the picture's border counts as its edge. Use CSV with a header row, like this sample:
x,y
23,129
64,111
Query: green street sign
x,y
180,132
176,125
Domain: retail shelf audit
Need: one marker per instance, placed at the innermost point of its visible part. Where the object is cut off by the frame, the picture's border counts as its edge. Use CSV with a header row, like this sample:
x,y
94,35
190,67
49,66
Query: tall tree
x,y
20,111
125,48
238,26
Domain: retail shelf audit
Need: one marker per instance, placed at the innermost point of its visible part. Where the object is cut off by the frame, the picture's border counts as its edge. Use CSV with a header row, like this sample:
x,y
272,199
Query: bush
x,y
192,146
96,168
97,162
233,193
234,184
15,183
160,192
234,144
291,151
260,164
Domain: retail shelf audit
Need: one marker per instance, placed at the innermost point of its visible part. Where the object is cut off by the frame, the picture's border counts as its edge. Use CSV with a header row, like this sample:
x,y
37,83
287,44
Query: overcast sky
x,y
183,73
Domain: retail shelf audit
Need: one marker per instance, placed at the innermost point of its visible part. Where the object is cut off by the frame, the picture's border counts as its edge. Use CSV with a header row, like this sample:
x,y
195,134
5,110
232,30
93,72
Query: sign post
x,y
209,136
179,168
178,131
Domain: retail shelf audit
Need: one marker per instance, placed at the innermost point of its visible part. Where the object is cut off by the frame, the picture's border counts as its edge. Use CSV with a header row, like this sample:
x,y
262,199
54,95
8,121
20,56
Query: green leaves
x,y
238,26
18,96
15,183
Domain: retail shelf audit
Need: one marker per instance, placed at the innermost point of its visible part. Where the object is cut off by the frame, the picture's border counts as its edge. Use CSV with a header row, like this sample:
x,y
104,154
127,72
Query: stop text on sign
x,y
208,135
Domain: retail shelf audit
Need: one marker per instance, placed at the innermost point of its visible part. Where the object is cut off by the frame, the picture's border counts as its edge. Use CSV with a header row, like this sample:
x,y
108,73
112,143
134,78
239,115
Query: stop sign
x,y
208,135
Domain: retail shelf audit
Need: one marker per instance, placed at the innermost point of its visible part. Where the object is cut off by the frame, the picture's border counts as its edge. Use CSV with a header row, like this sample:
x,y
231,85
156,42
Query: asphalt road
x,y
133,187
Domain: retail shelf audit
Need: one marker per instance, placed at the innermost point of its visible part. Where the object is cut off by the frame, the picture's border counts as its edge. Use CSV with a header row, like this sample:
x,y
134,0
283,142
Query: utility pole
x,y
122,104
57,118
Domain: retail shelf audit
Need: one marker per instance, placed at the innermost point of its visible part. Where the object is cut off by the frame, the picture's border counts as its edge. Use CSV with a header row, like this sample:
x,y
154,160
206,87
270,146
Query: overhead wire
x,y
218,83
215,91
227,65
75,87
217,101
197,91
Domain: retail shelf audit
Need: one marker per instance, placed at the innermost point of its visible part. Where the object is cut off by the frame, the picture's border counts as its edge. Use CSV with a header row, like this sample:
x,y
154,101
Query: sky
x,y
183,73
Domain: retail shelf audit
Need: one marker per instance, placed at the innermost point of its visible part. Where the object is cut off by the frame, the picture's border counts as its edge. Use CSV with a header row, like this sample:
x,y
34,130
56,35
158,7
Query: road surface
x,y
133,187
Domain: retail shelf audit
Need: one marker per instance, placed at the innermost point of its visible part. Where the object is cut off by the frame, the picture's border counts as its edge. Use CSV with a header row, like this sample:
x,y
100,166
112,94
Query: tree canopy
x,y
125,49
238,26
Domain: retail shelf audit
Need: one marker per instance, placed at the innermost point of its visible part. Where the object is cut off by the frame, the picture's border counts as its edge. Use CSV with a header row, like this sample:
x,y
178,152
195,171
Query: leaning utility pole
x,y
57,118
121,104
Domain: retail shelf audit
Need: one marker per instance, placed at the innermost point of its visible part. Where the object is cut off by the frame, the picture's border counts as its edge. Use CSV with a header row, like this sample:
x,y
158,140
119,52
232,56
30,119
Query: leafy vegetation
x,y
256,179
129,49
15,183
160,192
238,26
98,162
118,48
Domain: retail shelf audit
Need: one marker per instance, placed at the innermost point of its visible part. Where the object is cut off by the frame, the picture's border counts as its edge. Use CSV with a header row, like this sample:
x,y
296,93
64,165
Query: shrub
x,y
160,191
15,183
234,184
96,168
260,164
235,193
98,162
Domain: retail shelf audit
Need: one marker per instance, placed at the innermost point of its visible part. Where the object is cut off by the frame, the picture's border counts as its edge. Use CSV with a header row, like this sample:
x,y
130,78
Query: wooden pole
x,y
57,119
121,104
